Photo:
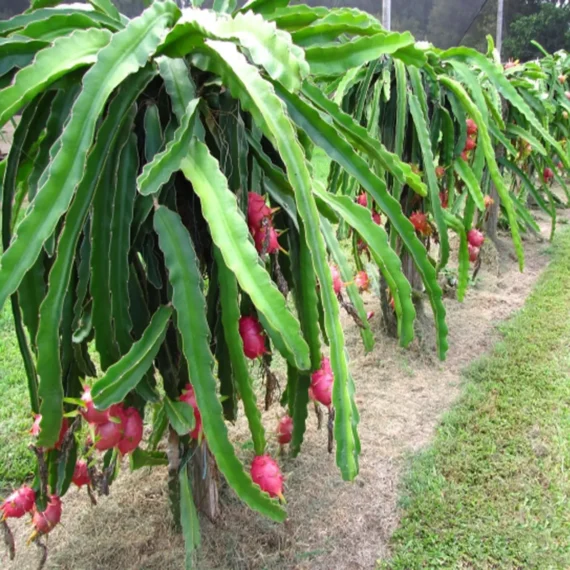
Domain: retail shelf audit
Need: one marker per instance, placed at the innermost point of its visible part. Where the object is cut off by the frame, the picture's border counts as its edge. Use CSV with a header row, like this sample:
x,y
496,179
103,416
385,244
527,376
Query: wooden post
x,y
492,215
205,482
500,18
204,479
387,312
173,453
387,14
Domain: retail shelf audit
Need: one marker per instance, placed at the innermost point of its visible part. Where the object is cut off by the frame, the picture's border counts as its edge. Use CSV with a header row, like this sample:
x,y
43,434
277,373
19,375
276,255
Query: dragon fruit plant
x,y
172,215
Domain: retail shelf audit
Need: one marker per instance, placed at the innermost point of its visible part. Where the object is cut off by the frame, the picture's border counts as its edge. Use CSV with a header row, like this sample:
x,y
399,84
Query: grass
x,y
16,460
493,490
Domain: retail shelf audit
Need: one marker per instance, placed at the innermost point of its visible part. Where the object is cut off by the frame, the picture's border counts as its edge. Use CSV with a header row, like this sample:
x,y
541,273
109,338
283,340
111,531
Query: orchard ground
x,y
458,494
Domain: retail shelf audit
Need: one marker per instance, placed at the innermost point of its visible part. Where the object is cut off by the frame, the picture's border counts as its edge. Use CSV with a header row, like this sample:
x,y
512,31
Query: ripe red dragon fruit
x,y
257,210
473,252
444,198
252,336
132,431
440,171
475,238
337,281
189,396
81,474
420,223
362,199
471,127
44,521
91,414
470,144
17,504
377,218
322,383
35,430
285,429
547,174
266,244
265,472
109,434
361,280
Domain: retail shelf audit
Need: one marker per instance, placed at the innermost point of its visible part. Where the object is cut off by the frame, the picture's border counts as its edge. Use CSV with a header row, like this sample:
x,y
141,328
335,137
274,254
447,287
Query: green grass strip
x,y
492,491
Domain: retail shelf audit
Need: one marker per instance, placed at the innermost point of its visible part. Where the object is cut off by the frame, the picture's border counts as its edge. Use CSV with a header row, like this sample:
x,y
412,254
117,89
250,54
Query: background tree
x,y
413,16
550,27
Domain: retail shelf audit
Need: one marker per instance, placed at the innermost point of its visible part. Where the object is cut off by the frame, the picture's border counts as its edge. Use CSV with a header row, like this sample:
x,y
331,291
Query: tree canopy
x,y
550,27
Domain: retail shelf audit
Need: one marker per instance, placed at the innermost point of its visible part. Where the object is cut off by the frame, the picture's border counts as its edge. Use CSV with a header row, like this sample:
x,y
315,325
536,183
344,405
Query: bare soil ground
x,y
332,524
6,135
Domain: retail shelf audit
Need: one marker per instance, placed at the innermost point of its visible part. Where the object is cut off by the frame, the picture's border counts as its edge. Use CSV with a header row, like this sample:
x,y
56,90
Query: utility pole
x,y
499,38
491,219
386,13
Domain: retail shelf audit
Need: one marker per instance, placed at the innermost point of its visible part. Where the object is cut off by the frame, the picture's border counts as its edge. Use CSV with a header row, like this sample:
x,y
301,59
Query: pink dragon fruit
x,y
473,253
81,474
362,199
132,431
260,238
109,434
322,383
252,336
361,280
257,210
18,503
475,238
91,414
285,429
265,472
337,281
189,397
44,521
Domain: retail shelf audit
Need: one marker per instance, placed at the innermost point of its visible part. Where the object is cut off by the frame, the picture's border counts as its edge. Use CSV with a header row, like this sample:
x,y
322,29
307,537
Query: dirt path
x,y
401,396
6,135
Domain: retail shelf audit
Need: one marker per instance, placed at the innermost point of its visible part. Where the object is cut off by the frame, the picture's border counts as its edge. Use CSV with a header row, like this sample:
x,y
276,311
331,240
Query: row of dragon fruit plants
x,y
160,210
